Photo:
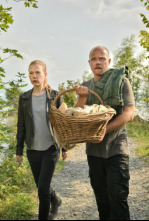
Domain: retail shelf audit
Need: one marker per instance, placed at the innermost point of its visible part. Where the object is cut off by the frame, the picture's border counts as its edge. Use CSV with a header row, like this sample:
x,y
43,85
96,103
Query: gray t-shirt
x,y
42,136
114,143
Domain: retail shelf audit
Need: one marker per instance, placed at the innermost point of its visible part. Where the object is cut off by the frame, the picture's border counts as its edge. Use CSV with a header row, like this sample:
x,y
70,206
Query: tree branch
x,y
6,58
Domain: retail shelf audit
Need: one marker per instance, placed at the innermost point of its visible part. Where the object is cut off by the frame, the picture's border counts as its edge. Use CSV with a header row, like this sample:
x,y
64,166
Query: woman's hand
x,y
64,155
19,159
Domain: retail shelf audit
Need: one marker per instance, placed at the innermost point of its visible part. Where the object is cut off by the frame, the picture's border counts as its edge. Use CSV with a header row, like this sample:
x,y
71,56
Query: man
x,y
109,160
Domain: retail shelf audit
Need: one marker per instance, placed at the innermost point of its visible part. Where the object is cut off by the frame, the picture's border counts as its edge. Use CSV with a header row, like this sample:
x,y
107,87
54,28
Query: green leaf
x,y
2,70
26,4
5,18
2,75
12,52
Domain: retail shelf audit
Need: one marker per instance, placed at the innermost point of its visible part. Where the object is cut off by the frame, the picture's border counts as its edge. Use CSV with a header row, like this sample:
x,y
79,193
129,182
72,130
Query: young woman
x,y
33,128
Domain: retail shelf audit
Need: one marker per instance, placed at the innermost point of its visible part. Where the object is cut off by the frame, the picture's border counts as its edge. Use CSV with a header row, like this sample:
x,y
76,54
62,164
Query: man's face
x,y
99,61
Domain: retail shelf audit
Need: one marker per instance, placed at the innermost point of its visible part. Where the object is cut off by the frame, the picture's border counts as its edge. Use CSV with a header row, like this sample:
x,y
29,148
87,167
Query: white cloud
x,y
105,9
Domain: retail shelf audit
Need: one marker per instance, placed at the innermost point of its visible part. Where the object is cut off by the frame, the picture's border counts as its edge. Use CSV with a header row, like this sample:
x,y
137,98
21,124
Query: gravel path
x,y
73,186
139,185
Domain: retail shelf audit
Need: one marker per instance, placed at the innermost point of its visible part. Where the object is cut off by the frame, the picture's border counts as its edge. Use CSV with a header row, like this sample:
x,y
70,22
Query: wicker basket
x,y
82,129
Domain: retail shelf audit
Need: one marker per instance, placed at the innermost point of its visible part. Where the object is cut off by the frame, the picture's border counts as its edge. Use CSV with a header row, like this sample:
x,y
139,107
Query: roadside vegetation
x,y
18,192
139,131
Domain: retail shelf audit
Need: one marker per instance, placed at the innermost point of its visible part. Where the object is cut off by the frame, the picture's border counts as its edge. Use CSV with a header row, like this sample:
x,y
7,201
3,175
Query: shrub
x,y
17,190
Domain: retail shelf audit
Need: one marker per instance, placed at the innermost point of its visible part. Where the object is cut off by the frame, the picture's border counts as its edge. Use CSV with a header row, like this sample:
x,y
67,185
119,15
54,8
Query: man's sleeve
x,y
128,94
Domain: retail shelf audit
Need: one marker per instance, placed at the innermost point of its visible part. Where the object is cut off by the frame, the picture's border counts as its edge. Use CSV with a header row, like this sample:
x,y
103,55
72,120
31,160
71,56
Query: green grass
x,y
18,192
60,166
139,131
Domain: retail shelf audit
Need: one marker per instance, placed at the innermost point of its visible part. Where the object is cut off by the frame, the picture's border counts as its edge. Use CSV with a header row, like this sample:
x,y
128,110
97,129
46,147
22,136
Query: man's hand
x,y
83,94
82,91
64,155
19,159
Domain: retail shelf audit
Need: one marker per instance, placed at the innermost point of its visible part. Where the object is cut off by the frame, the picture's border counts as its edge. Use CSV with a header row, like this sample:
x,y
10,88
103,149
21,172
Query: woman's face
x,y
37,75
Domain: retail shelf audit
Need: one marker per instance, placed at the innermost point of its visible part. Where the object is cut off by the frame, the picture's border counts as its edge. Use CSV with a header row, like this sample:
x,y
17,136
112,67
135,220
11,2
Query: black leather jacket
x,y
25,126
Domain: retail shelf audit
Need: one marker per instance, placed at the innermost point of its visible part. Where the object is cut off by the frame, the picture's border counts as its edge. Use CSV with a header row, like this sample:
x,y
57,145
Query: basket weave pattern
x,y
82,129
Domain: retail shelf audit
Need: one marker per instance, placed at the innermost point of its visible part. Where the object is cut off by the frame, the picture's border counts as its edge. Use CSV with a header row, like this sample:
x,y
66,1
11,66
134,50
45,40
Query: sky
x,y
62,32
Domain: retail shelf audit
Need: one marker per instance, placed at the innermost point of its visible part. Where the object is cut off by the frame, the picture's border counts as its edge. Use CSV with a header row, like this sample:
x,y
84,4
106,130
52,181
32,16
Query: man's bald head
x,y
101,48
99,60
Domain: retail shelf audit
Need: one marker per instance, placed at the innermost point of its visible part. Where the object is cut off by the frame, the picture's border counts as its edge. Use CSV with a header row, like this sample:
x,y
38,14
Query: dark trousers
x,y
110,182
43,164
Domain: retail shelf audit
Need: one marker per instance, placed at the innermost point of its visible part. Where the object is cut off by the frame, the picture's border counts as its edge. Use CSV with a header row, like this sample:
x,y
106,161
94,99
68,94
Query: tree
x,y
144,34
12,89
127,55
6,18
71,97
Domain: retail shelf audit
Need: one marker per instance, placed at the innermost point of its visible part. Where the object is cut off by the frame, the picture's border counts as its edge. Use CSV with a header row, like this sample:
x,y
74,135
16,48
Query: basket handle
x,y
74,89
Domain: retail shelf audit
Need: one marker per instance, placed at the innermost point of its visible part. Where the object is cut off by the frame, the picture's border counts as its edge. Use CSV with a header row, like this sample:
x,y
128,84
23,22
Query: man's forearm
x,y
122,119
81,102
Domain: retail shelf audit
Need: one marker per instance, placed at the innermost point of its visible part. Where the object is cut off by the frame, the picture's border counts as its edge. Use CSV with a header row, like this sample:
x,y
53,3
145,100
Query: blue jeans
x,y
110,182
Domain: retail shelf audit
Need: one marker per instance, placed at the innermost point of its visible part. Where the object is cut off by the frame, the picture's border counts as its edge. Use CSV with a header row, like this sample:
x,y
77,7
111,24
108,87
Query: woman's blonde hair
x,y
44,69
